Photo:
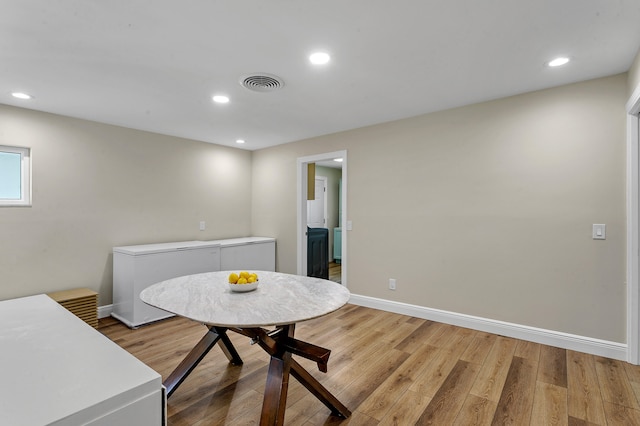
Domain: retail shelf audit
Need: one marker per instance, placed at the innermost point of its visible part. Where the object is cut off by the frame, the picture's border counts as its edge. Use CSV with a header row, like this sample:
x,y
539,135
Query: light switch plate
x,y
599,231
392,283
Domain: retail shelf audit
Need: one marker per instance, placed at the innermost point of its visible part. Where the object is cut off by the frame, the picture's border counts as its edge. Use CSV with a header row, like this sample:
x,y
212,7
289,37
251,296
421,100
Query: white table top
x,y
279,299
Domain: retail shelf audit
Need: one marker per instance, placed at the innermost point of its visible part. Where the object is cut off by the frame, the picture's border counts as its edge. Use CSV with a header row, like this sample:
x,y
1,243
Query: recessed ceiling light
x,y
339,160
240,141
319,58
21,95
558,61
220,99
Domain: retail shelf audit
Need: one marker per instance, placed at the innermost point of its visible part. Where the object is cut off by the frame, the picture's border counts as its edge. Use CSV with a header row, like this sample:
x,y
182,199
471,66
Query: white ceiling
x,y
154,65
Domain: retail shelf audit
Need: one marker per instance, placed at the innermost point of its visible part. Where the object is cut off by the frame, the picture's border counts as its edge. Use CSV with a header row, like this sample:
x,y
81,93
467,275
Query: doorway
x,y
302,210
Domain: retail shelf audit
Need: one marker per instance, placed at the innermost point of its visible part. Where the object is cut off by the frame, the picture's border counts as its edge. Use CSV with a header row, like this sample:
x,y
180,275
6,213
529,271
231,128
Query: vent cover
x,y
262,82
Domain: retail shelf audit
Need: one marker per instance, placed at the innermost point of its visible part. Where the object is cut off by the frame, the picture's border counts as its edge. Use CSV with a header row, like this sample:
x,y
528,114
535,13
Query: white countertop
x,y
188,245
55,368
279,299
163,247
244,240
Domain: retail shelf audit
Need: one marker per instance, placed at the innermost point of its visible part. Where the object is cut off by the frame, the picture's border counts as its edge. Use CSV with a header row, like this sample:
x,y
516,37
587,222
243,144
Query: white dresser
x,y
250,253
58,370
137,267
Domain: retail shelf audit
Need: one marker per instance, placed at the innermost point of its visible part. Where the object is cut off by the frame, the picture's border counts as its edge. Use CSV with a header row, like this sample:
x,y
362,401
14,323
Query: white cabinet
x,y
137,267
58,370
251,253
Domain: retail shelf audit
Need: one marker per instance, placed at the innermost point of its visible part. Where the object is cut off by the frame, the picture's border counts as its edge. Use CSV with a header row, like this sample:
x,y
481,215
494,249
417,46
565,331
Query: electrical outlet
x,y
392,283
203,225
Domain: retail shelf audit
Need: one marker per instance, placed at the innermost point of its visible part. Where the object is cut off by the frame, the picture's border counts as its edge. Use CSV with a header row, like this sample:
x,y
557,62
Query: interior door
x,y
316,209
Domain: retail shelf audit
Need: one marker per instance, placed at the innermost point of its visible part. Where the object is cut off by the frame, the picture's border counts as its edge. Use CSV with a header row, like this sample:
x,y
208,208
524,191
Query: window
x,y
15,176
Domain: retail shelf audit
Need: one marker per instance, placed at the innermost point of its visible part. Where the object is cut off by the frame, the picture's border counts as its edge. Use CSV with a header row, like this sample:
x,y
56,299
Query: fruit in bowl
x,y
243,277
243,281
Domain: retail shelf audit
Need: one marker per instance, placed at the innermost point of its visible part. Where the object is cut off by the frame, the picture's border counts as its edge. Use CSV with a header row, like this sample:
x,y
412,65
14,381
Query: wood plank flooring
x,y
391,369
335,272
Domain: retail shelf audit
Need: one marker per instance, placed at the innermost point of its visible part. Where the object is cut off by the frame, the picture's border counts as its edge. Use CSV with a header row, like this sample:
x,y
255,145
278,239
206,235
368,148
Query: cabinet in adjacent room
x,y
318,252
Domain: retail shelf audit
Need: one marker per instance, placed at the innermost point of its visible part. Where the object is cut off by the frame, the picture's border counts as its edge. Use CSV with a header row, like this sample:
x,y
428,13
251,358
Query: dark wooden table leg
x,y
275,392
226,345
281,347
320,392
199,351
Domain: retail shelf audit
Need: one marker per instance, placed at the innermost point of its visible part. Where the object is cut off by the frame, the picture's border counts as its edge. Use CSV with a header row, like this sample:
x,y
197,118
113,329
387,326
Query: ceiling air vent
x,y
262,82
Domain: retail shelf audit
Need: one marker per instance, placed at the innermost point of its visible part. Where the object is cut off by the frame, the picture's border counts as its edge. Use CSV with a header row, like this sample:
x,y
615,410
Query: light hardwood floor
x,y
392,369
335,272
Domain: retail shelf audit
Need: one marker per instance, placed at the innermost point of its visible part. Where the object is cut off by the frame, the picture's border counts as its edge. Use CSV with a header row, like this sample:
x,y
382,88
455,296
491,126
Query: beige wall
x,y
483,210
97,186
634,75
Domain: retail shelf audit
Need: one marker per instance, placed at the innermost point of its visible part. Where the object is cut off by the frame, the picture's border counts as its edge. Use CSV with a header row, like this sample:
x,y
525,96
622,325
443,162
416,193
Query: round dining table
x,y
267,315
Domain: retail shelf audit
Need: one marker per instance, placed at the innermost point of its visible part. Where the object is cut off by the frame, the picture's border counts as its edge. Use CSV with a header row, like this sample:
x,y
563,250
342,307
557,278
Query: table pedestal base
x,y
280,345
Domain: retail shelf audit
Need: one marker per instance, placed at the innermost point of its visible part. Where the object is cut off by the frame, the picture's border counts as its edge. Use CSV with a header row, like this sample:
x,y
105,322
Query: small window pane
x,y
15,176
10,176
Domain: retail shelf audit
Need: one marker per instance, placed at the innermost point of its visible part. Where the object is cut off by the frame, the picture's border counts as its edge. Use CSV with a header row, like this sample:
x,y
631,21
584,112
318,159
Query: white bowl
x,y
243,288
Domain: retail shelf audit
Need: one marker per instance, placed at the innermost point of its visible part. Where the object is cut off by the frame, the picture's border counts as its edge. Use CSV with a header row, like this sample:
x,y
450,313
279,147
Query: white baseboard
x,y
558,339
105,311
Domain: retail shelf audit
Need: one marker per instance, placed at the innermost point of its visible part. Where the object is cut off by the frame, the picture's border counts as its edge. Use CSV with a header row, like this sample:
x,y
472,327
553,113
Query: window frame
x,y
25,176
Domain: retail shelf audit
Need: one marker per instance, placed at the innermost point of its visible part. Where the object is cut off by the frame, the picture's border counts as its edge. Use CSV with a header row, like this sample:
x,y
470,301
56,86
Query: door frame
x,y
633,228
301,167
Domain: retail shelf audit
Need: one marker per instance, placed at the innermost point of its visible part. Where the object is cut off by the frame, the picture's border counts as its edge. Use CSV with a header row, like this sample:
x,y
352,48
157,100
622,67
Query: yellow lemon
x,y
254,276
242,281
233,278
244,274
251,280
